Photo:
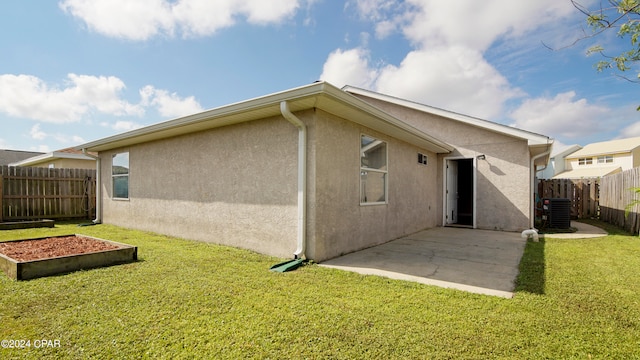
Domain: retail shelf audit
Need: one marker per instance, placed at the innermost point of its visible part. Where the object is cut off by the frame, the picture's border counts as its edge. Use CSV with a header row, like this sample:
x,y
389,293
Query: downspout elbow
x,y
302,178
98,218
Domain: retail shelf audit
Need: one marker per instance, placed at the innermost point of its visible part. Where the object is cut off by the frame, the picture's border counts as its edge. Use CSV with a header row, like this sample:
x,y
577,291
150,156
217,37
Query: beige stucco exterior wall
x,y
235,185
503,194
341,224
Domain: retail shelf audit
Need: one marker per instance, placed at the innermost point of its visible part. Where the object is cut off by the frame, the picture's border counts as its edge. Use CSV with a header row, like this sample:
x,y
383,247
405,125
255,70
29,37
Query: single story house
x,y
68,158
602,158
317,171
10,156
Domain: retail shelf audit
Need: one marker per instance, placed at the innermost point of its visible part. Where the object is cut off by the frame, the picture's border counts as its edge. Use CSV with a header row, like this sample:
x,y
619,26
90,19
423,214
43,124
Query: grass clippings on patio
x,y
186,299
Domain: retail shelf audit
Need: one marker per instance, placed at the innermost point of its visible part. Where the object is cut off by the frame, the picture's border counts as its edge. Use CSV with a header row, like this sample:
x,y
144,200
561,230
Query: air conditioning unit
x,y
558,212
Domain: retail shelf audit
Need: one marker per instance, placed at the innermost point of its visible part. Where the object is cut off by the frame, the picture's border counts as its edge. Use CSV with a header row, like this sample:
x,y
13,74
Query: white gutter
x,y
302,177
98,218
532,209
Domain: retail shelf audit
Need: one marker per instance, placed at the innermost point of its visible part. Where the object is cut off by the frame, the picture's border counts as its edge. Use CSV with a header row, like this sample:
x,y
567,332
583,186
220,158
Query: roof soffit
x,y
531,137
317,95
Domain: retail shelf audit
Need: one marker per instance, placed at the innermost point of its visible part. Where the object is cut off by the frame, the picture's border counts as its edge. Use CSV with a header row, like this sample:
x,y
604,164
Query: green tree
x,y
622,16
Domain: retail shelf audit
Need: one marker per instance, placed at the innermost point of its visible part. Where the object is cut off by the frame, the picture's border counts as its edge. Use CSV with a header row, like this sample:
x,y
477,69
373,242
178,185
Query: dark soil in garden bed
x,y
27,250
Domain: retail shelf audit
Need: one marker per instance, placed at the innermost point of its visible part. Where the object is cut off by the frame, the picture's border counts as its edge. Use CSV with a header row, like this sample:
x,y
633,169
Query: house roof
x,y
321,95
608,147
565,151
588,172
9,156
532,138
68,153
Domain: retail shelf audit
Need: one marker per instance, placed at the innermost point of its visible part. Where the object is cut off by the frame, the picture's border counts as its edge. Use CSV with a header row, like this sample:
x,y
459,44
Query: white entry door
x,y
451,212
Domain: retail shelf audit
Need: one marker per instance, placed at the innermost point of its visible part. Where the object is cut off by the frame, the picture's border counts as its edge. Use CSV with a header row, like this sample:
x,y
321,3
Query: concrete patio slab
x,y
585,231
478,261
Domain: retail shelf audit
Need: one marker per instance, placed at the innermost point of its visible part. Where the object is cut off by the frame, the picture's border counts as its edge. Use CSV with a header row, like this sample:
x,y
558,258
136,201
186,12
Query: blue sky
x,y
72,71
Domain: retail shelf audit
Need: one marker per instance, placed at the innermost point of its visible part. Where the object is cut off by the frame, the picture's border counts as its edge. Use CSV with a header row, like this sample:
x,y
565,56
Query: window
x,y
605,159
120,175
585,161
373,171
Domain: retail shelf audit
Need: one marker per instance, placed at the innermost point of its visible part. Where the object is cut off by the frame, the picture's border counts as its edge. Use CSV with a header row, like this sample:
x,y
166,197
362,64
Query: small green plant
x,y
635,202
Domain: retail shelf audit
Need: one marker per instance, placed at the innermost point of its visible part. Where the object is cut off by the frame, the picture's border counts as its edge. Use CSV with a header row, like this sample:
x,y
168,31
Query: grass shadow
x,y
531,277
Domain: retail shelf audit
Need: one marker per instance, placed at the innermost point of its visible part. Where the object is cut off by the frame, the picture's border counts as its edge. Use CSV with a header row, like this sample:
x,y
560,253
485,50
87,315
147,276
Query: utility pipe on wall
x,y
302,177
98,218
532,210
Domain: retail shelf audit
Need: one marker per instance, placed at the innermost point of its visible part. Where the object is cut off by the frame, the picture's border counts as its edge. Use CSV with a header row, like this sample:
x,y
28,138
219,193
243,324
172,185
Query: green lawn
x,y
183,299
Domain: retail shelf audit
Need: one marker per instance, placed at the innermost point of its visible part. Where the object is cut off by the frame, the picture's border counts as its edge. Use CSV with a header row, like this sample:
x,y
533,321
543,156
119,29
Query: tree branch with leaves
x,y
622,16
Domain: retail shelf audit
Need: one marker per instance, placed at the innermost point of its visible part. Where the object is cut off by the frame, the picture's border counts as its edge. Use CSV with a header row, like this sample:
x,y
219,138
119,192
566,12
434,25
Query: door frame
x,y
445,173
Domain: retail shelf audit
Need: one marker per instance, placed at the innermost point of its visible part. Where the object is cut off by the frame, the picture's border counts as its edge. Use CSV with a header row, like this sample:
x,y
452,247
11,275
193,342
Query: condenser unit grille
x,y
559,213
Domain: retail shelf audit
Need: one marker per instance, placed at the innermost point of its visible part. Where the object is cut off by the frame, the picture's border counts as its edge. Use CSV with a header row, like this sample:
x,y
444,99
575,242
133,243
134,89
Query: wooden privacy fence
x,y
583,193
31,193
615,194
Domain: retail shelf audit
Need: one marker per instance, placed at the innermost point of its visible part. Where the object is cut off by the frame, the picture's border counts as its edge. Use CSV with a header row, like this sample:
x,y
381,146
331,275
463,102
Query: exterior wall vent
x,y
422,159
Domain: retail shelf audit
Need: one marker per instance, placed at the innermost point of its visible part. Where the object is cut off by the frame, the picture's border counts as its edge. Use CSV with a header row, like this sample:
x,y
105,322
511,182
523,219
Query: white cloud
x,y
561,115
169,105
125,125
41,148
446,66
143,19
36,133
465,82
349,67
373,10
453,78
27,96
477,24
632,130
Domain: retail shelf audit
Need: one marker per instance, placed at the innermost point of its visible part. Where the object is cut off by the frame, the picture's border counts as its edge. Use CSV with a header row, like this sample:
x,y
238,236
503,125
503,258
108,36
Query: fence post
x,y
1,202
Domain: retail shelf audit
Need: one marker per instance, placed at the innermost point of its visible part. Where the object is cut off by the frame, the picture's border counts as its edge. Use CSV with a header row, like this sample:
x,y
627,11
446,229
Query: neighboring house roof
x,y
68,153
10,156
588,173
558,164
537,143
563,152
321,95
608,147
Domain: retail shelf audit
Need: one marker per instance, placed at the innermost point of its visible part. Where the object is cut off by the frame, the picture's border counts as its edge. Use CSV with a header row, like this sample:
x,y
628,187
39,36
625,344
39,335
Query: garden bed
x,y
33,258
13,225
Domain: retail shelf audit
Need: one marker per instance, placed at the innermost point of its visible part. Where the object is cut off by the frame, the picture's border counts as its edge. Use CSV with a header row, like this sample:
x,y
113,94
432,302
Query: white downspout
x,y
98,218
302,177
532,209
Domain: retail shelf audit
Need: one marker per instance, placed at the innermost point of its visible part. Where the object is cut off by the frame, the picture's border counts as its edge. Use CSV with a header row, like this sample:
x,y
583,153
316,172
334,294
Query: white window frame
x,y
364,169
605,159
585,161
114,176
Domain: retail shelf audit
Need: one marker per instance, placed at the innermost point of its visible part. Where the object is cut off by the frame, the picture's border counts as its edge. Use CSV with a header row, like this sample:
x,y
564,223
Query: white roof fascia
x,y
319,94
531,137
50,156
